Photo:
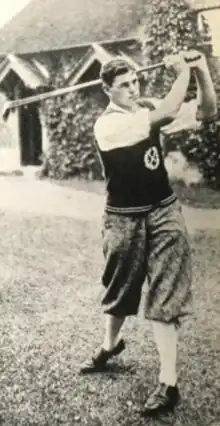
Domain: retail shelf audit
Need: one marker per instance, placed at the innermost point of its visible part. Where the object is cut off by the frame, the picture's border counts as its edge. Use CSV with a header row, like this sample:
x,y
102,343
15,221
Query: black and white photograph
x,y
110,212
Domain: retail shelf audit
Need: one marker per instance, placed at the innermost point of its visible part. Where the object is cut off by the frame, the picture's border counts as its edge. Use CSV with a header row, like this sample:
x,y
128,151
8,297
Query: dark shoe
x,y
99,361
162,400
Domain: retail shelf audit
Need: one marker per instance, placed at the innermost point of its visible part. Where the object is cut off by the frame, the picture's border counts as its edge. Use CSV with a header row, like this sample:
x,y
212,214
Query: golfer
x,y
144,233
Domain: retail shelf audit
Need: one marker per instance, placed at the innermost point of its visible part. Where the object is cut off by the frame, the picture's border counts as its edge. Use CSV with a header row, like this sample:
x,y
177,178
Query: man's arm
x,y
172,102
206,96
118,129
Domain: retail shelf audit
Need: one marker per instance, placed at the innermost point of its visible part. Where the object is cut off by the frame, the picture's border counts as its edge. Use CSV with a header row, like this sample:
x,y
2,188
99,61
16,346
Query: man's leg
x,y
166,336
123,277
168,298
112,331
112,346
166,395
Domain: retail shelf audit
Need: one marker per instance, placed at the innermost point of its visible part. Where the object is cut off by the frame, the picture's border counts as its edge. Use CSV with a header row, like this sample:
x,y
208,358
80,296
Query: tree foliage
x,y
171,26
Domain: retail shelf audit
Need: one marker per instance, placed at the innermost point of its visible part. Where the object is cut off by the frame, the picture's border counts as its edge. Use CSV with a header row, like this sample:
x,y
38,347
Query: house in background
x,y
22,74
71,32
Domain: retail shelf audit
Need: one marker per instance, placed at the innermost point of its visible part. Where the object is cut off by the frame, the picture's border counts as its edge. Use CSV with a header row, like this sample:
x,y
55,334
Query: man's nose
x,y
132,88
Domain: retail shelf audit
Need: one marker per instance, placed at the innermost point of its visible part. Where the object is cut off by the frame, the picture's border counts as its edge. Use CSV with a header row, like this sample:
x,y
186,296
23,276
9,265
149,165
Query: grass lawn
x,y
51,321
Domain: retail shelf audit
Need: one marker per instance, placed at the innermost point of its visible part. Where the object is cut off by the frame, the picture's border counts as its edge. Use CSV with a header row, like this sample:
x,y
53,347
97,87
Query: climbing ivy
x,y
69,120
171,26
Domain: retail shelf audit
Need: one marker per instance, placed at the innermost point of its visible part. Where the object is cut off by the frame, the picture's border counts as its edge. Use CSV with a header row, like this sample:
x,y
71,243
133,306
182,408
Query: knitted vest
x,y
135,176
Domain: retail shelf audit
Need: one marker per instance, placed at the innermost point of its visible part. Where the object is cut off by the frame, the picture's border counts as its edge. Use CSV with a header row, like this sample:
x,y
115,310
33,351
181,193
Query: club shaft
x,y
59,92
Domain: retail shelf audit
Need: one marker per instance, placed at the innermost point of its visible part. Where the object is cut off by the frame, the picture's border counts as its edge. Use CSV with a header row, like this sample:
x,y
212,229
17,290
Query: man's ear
x,y
106,88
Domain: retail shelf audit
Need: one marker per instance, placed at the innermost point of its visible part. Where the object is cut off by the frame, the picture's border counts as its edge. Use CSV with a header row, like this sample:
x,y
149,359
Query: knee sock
x,y
166,336
112,333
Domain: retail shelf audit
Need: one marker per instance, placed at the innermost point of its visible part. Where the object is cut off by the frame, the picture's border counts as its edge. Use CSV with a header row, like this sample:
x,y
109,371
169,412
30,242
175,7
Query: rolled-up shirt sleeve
x,y
119,129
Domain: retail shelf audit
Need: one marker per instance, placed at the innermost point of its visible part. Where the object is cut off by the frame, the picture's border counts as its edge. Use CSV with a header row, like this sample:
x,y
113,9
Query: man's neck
x,y
121,108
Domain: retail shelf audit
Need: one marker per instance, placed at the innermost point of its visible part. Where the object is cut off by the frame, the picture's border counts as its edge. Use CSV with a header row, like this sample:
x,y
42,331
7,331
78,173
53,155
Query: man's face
x,y
125,90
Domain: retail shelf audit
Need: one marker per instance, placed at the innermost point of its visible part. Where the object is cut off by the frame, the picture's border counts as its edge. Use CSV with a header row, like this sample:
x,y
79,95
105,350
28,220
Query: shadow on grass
x,y
114,369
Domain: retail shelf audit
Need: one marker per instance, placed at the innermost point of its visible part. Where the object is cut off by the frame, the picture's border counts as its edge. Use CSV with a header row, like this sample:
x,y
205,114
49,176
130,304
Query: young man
x,y
144,232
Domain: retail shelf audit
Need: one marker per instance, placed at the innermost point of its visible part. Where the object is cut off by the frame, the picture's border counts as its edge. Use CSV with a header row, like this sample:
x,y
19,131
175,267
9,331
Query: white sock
x,y
112,334
166,336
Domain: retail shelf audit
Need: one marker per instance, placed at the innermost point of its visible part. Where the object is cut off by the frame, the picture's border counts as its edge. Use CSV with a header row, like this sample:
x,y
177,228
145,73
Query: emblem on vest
x,y
152,158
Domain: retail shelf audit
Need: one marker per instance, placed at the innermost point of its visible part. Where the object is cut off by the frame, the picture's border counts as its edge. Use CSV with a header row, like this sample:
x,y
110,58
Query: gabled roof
x,y
28,71
45,25
49,24
32,70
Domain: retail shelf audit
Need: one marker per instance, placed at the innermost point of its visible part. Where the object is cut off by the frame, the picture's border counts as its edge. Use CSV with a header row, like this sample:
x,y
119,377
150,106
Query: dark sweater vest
x,y
136,177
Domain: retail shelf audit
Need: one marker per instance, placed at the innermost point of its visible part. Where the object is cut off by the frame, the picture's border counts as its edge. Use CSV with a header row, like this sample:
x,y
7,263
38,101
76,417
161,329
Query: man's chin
x,y
134,102
135,99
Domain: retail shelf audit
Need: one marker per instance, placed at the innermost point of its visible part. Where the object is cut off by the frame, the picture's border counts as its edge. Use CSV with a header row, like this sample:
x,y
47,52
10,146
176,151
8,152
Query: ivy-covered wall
x,y
69,120
171,26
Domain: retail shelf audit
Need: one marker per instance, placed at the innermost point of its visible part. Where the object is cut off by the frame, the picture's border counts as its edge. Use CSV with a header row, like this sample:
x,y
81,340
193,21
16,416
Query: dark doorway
x,y
30,130
30,136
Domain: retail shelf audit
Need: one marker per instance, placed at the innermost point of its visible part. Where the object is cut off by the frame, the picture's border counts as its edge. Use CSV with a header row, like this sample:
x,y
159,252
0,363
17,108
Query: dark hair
x,y
112,68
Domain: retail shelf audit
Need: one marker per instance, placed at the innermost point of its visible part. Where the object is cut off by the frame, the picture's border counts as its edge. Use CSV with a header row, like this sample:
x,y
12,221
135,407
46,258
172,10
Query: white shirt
x,y
121,128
